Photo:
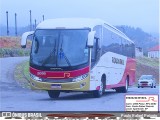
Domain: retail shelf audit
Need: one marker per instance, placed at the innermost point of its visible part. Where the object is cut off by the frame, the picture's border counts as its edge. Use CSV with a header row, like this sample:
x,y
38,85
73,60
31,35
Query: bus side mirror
x,y
91,38
24,38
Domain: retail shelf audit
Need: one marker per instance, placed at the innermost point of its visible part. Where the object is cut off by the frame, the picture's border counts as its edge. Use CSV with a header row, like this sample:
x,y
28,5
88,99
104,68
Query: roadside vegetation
x,y
151,62
21,74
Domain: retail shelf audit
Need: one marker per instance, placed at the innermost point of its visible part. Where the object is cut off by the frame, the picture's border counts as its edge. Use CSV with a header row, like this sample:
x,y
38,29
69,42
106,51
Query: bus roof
x,y
69,23
77,23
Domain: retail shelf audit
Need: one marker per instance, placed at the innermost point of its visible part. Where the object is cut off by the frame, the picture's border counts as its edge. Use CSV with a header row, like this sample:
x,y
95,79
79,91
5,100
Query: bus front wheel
x,y
53,94
100,92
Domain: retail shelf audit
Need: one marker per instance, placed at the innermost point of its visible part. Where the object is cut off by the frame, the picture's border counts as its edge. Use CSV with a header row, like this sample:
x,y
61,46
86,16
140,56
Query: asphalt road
x,y
15,98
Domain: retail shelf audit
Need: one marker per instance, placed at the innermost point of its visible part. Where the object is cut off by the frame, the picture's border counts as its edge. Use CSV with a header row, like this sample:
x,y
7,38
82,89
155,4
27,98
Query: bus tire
x,y
100,92
53,94
123,89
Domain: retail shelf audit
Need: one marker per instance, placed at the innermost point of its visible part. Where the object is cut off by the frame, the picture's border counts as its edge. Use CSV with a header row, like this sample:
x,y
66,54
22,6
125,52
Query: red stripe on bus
x,y
59,74
130,71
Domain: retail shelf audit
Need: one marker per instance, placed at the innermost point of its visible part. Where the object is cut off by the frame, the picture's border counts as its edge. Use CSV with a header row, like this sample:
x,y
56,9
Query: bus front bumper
x,y
82,85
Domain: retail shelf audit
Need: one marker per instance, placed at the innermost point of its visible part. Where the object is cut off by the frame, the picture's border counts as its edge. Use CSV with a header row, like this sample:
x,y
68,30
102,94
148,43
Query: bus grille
x,y
56,80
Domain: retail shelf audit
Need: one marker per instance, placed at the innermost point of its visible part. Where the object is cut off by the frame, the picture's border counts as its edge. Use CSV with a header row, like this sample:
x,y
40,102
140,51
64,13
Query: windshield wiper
x,y
53,51
61,51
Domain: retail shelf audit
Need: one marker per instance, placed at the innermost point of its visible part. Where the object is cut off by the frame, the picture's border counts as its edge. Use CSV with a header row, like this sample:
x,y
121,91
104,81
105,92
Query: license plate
x,y
144,84
56,86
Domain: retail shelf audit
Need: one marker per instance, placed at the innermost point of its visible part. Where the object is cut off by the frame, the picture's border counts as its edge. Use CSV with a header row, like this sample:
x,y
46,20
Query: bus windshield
x,y
60,48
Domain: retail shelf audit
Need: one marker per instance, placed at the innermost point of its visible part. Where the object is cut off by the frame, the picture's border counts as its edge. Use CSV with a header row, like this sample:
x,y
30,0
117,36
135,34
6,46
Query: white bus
x,y
80,54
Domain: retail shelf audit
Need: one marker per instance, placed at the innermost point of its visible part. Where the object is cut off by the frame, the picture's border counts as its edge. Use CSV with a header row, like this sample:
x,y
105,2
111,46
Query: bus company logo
x,y
41,73
117,61
150,99
67,75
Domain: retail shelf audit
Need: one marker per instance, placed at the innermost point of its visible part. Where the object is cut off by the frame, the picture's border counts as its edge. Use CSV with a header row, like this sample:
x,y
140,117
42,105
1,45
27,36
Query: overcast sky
x,y
136,13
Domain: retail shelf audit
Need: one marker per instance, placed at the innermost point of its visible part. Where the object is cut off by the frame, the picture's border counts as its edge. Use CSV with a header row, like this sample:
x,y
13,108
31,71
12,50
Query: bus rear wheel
x,y
125,88
53,94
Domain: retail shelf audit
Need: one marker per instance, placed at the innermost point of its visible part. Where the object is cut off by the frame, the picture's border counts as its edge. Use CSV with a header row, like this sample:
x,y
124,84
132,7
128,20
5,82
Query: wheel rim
x,y
126,84
101,89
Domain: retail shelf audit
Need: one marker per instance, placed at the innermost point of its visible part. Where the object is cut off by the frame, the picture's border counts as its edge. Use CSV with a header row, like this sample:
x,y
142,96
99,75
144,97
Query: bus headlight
x,y
35,78
79,78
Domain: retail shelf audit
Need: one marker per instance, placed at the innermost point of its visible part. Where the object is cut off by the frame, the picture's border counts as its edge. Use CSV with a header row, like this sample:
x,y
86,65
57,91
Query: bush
x,y
14,52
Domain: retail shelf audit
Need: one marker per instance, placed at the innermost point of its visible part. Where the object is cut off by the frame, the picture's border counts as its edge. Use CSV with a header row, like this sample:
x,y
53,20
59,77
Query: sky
x,y
135,13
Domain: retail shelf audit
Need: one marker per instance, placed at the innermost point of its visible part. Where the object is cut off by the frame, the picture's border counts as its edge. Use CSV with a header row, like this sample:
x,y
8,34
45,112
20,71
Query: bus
x,y
80,55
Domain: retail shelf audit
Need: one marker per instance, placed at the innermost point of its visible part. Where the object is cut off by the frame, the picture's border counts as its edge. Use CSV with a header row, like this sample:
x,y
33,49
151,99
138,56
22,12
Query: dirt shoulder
x,y
11,47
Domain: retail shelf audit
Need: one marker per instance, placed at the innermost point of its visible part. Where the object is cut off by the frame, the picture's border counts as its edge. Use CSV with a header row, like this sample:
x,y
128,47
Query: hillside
x,y
141,38
146,65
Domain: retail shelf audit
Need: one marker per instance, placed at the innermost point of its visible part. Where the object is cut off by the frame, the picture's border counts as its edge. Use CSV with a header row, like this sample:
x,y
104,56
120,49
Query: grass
x,y
21,74
13,52
151,62
26,70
